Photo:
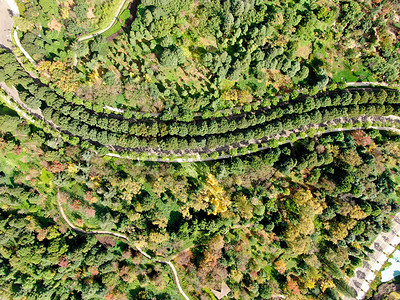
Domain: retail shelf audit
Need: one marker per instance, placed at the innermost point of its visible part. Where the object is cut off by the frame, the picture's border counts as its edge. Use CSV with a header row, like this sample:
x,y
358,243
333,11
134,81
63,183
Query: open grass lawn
x,y
122,18
344,74
339,67
22,162
350,73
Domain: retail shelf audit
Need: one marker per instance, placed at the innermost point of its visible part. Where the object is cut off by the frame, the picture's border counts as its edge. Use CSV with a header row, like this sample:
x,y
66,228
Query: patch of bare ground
x,y
55,25
304,51
90,13
207,42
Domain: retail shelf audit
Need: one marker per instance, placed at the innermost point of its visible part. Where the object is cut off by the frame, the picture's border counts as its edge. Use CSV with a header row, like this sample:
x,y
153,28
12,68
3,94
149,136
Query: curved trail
x,y
7,24
123,237
17,41
391,118
176,278
86,37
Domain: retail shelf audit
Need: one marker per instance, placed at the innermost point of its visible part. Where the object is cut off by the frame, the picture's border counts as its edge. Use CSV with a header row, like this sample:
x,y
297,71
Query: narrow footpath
x,y
125,238
285,134
115,18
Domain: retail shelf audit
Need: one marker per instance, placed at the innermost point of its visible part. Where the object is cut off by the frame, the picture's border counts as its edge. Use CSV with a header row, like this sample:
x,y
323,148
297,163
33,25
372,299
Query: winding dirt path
x,y
125,238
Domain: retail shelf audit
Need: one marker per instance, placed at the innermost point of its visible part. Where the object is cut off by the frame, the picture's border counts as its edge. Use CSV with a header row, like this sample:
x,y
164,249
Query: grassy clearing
x,y
348,73
344,74
46,177
226,84
19,161
120,22
108,13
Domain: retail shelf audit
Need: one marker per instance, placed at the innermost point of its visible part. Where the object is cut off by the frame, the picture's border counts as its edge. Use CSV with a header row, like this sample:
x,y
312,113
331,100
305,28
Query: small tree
x,y
169,58
33,103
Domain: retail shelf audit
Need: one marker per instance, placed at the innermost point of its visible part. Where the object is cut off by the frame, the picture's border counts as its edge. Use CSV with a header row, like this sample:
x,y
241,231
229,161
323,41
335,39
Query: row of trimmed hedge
x,y
109,129
173,143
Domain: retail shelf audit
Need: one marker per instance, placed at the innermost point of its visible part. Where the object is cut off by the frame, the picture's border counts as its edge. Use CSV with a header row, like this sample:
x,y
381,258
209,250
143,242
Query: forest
x,y
291,220
253,145
201,134
178,57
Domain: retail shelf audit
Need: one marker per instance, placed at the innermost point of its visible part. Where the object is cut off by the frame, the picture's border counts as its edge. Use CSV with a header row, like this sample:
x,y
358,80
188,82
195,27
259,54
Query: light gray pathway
x,y
195,157
86,37
8,9
367,83
383,247
123,237
18,42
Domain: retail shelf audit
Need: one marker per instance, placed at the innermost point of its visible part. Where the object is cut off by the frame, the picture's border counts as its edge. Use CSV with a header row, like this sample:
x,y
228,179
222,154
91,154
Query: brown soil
x,y
90,14
55,25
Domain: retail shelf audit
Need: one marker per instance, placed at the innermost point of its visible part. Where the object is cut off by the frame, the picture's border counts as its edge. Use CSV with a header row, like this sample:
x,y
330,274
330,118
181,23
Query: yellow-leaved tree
x,y
60,73
215,194
300,228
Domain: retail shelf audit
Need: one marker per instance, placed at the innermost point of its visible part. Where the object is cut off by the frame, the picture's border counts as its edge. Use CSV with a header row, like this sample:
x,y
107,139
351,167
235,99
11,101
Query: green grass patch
x,y
344,75
351,73
7,170
171,74
364,74
120,22
24,162
226,84
147,188
46,177
12,161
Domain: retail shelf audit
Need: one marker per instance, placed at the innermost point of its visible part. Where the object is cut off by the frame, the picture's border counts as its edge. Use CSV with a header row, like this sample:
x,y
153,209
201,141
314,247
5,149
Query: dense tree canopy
x,y
295,173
